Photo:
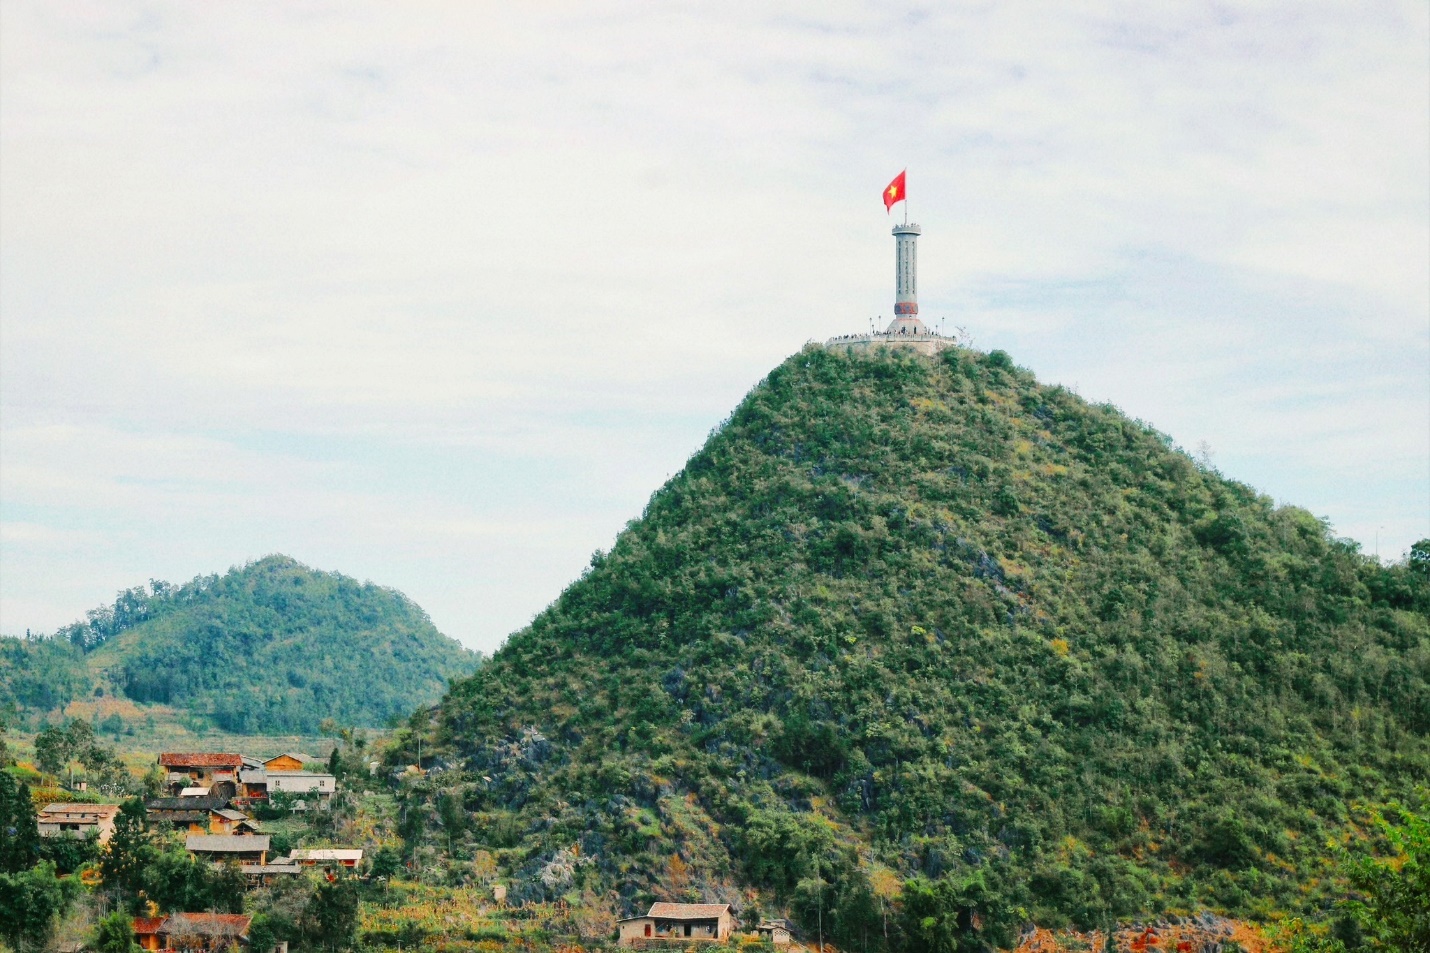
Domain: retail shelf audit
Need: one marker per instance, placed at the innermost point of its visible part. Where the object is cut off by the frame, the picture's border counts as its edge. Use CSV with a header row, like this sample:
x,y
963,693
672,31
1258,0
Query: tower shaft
x,y
906,270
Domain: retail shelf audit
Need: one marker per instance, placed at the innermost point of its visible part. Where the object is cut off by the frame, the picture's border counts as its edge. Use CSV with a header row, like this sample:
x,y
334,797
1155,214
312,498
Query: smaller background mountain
x,y
273,647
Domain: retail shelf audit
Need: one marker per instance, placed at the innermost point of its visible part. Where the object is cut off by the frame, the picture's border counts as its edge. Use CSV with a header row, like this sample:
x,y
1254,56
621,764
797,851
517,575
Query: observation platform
x,y
906,332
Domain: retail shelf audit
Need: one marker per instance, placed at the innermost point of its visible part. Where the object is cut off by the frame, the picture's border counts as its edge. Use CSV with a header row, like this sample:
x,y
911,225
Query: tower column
x,y
906,270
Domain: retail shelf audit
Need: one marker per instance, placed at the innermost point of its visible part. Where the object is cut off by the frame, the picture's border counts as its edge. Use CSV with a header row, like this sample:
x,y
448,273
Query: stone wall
x,y
929,344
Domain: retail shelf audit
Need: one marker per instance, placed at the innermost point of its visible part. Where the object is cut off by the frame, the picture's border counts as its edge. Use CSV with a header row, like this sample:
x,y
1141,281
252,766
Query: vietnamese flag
x,y
895,191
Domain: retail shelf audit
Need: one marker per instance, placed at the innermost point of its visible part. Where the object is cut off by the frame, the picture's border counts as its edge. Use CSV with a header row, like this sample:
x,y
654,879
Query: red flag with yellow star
x,y
895,191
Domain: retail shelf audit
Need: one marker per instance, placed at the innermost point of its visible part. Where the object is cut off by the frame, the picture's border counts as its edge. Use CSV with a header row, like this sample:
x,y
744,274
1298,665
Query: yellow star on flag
x,y
896,191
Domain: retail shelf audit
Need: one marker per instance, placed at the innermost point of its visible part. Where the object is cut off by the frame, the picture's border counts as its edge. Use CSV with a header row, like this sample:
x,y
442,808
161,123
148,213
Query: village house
x,y
289,761
260,875
777,932
244,848
229,821
77,820
146,932
196,815
184,813
326,857
310,787
196,932
253,781
683,922
201,773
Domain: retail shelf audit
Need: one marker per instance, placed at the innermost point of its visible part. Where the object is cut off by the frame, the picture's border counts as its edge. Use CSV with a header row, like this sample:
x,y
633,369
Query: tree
x,y
957,914
1420,557
1391,908
5,714
129,852
52,749
814,885
115,934
176,883
20,845
1394,910
56,747
29,903
71,853
331,916
263,933
227,887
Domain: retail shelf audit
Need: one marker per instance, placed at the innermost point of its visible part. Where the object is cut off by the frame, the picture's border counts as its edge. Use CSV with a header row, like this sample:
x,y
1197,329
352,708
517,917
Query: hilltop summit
x,y
922,628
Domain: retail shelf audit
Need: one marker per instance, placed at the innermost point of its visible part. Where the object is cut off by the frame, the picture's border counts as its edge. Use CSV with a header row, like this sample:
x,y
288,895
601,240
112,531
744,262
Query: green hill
x,y
271,647
924,628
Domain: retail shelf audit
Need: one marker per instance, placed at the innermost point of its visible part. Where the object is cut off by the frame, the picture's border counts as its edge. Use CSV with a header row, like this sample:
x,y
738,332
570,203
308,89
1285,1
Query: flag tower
x,y
906,330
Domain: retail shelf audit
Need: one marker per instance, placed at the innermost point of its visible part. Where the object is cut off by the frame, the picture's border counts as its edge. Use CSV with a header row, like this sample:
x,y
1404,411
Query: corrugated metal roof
x,y
688,911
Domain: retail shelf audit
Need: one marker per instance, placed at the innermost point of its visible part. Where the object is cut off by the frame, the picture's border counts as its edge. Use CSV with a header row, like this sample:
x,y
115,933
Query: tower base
x,y
905,332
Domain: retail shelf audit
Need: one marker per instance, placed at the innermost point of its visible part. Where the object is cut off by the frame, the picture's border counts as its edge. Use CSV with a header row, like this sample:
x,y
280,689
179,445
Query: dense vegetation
x,y
271,647
924,650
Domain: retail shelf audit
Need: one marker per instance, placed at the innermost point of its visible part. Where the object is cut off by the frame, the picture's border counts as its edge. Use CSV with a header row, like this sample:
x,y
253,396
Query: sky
x,y
437,294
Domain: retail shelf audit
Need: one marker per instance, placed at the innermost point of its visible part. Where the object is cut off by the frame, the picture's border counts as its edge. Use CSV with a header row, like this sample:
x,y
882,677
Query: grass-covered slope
x,y
270,647
925,623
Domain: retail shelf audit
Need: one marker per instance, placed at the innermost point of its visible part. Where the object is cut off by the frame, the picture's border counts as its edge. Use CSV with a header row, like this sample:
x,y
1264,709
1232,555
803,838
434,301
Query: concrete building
x,y
312,788
77,820
906,330
678,922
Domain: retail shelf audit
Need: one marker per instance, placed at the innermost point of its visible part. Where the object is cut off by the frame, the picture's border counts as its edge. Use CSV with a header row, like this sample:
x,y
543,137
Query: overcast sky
x,y
437,295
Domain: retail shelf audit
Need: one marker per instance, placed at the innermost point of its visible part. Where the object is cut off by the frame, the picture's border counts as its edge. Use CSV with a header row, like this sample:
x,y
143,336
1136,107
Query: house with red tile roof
x,y
146,932
195,932
192,932
214,772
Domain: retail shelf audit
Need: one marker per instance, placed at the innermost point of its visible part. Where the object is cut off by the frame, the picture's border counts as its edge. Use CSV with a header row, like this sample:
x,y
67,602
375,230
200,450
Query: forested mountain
x,y
923,628
270,647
